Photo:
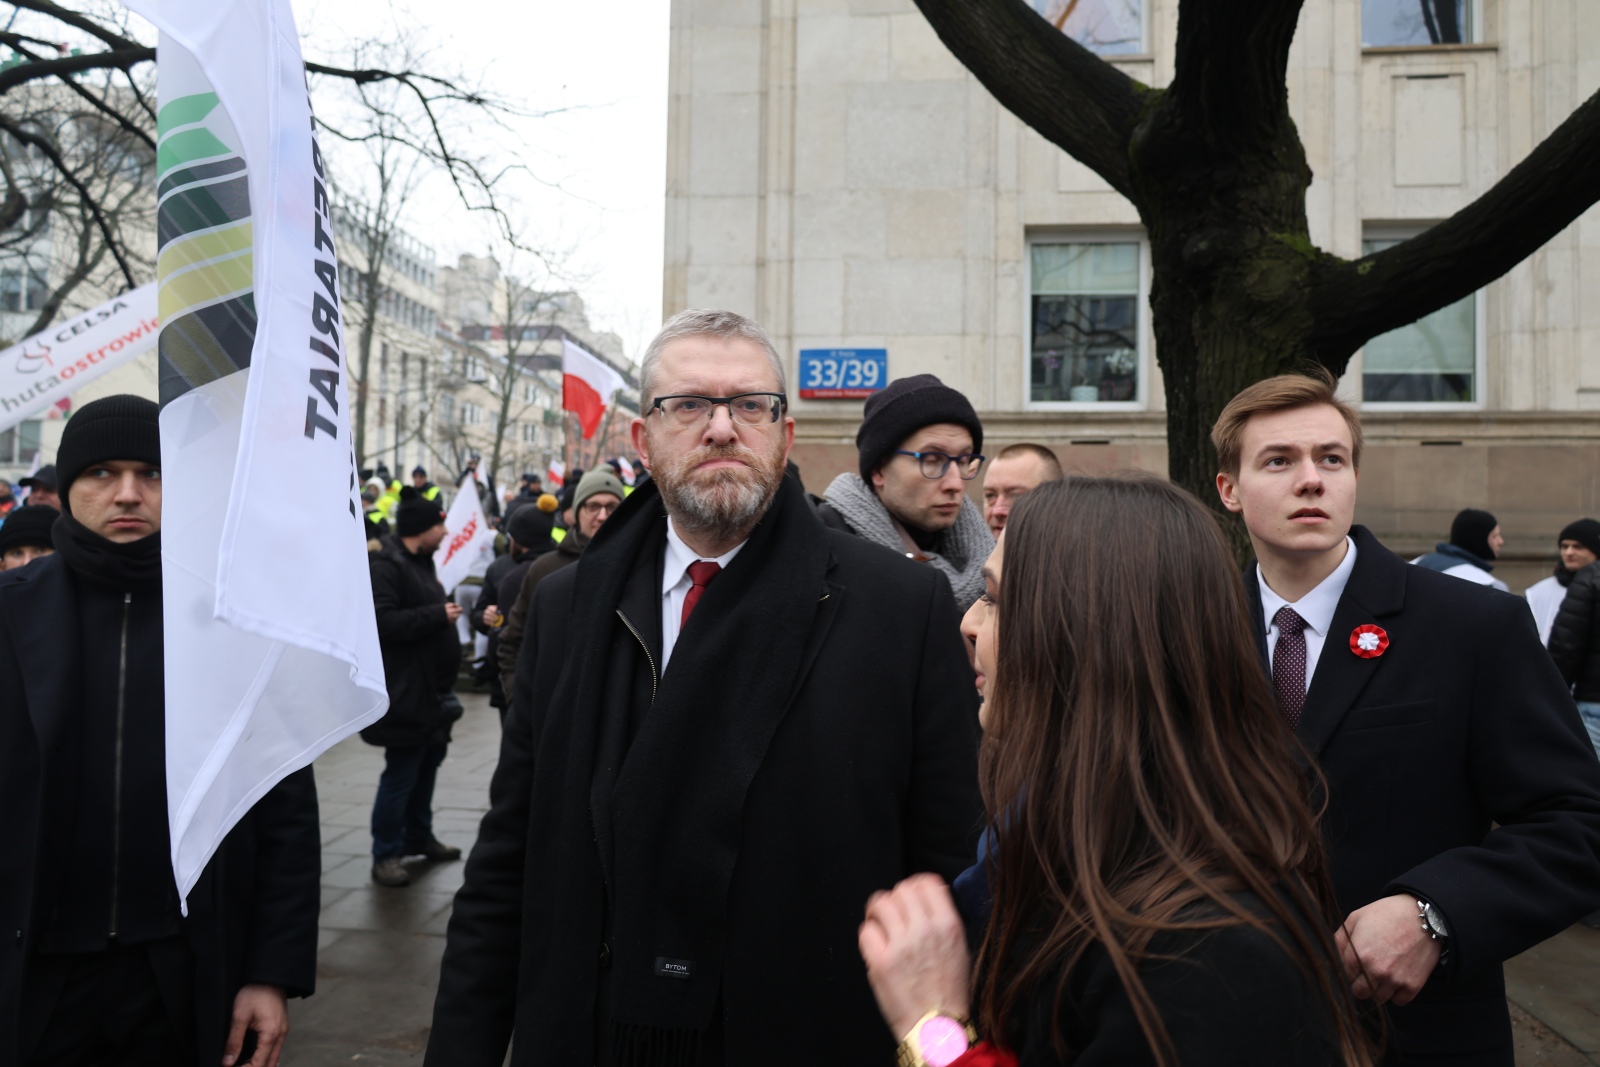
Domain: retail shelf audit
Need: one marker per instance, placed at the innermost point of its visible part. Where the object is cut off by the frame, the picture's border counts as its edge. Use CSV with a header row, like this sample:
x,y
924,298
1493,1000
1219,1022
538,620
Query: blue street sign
x,y
842,373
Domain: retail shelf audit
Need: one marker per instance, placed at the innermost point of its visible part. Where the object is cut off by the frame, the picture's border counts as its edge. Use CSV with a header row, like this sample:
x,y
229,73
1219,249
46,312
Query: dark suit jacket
x,y
253,914
869,776
1462,723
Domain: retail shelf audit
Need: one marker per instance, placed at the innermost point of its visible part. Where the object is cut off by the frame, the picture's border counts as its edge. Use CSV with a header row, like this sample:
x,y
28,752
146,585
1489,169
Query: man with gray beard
x,y
729,727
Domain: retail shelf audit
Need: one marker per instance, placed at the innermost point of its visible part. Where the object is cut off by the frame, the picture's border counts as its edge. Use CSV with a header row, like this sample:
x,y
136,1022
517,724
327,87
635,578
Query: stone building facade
x,y
834,172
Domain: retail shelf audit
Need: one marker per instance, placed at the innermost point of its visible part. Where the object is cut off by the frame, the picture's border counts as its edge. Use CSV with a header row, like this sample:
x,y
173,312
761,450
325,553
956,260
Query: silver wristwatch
x,y
1433,923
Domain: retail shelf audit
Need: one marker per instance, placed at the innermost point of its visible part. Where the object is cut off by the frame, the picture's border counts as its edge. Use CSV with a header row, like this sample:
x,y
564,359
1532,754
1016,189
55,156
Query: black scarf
x,y
1563,575
129,565
666,808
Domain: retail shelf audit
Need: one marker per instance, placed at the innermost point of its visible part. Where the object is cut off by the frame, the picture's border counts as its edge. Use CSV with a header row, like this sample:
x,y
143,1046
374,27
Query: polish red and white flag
x,y
557,473
588,384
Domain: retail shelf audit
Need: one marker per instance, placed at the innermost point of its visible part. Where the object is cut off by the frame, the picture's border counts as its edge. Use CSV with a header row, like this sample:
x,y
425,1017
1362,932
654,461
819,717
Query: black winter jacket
x,y
1575,635
421,650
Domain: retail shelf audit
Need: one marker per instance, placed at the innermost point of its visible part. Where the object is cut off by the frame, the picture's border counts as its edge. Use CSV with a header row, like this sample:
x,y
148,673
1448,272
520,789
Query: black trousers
x,y
124,1007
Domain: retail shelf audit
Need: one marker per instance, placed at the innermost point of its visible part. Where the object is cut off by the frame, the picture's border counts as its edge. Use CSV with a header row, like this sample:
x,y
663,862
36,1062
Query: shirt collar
x,y
1316,607
680,555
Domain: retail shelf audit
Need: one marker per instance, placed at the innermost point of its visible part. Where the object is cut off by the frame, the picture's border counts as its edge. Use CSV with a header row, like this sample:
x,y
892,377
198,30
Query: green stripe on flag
x,y
186,146
184,110
209,245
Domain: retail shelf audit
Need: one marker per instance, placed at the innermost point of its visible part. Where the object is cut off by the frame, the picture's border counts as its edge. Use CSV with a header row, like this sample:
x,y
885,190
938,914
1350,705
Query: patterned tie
x,y
1289,664
701,571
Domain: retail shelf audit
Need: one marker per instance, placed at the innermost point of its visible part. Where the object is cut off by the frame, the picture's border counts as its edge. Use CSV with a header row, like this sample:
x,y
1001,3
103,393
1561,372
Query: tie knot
x,y
701,571
1287,621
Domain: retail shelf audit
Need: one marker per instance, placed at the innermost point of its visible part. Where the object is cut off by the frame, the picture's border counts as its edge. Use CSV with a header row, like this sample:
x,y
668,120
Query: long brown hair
x,y
1135,763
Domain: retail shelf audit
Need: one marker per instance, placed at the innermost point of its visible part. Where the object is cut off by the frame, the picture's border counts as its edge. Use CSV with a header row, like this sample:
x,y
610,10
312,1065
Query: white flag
x,y
38,371
271,644
466,533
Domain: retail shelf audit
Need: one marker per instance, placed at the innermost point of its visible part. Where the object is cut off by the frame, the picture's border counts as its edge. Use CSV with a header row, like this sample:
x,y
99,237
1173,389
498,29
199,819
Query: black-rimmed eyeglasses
x,y
747,409
934,464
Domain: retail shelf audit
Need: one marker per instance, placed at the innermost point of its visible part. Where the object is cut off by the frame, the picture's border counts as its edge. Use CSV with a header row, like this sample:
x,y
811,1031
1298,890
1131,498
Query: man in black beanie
x,y
107,968
1577,546
1474,545
528,534
918,444
25,535
421,654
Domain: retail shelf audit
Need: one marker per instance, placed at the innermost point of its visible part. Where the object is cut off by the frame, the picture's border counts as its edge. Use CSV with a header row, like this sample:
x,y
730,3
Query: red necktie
x,y
701,571
1289,664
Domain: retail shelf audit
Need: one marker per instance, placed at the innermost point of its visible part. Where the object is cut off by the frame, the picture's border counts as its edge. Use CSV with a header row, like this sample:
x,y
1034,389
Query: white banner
x,y
466,533
271,645
39,371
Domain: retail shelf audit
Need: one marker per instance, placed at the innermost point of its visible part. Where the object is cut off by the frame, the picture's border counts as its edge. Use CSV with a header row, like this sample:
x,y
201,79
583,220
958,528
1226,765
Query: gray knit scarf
x,y
959,552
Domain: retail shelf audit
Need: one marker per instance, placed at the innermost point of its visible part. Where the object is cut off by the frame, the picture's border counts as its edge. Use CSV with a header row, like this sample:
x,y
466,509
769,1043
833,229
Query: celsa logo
x,y
33,362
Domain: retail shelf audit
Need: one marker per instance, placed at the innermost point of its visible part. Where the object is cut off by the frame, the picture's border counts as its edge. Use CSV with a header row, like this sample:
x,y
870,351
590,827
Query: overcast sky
x,y
598,168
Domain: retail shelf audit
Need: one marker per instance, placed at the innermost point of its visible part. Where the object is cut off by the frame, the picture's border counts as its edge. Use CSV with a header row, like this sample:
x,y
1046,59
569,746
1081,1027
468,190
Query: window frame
x,y
1475,35
1145,339
1143,51
1480,343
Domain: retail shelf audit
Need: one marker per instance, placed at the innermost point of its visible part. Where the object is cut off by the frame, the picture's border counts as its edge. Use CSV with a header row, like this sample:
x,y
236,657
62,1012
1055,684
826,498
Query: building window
x,y
447,409
530,433
22,289
18,444
1432,361
1084,329
530,392
1415,22
1108,27
471,414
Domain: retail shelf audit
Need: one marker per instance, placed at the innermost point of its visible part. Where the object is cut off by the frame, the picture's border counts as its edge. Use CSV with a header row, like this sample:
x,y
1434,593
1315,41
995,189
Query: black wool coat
x,y
1462,723
1227,998
421,649
253,914
866,773
1575,635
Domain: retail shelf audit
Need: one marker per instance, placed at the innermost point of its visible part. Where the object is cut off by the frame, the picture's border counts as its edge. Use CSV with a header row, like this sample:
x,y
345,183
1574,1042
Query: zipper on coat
x,y
654,676
116,772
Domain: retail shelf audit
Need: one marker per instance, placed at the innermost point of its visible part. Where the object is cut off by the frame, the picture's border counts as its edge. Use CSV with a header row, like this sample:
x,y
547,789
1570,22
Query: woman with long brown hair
x,y
1159,888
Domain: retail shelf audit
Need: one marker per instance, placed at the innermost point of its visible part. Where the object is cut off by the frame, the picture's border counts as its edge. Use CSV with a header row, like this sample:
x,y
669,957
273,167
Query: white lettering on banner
x,y
78,351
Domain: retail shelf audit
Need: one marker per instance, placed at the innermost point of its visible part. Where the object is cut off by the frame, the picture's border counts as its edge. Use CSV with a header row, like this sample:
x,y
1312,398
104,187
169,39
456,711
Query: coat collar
x,y
48,654
1376,590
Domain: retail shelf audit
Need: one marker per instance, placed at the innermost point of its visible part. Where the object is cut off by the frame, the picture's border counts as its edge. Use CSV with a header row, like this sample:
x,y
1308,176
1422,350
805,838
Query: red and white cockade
x,y
1369,642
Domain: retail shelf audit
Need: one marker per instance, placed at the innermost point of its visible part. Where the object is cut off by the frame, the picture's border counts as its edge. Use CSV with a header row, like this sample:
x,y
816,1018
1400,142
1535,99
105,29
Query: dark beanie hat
x,y
416,513
1584,531
530,526
121,427
1471,530
28,525
902,408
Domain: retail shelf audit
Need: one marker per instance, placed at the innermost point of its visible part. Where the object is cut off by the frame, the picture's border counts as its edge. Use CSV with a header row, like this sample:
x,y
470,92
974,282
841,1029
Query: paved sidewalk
x,y
380,948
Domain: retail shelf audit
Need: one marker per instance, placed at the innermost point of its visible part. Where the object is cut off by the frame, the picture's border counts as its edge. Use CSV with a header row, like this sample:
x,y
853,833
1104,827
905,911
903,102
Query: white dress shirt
x,y
1316,608
676,583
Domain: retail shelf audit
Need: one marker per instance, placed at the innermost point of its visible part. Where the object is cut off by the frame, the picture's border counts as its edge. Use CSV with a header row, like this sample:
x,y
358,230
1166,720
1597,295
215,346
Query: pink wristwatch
x,y
937,1040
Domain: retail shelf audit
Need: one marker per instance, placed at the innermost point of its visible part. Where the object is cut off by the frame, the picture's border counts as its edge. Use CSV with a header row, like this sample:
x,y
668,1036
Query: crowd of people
x,y
926,769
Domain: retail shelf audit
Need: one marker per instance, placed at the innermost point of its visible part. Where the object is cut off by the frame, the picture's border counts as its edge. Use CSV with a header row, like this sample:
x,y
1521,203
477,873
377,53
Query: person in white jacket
x,y
1579,545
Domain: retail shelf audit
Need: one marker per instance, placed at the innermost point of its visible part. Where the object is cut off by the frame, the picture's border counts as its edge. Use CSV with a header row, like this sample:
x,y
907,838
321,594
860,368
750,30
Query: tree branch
x,y
110,38
1052,83
1230,81
46,146
93,101
116,59
1558,181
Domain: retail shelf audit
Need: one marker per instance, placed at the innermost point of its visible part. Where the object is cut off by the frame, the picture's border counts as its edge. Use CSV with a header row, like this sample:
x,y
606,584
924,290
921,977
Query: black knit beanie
x,y
124,427
27,526
1471,530
902,408
417,513
1584,531
530,525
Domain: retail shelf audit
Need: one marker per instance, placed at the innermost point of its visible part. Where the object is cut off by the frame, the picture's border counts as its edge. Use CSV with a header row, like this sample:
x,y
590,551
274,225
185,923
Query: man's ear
x,y
1228,490
641,441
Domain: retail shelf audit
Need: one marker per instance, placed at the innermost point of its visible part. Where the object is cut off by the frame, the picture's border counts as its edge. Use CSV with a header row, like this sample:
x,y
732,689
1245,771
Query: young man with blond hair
x,y
1463,817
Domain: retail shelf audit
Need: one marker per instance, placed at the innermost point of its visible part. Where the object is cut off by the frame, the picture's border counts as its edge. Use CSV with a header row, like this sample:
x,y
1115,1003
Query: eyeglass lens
x,y
934,464
750,409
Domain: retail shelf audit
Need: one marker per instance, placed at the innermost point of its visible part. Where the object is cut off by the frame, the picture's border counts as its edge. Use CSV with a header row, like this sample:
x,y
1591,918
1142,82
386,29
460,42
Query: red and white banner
x,y
557,473
36,372
624,469
466,532
587,385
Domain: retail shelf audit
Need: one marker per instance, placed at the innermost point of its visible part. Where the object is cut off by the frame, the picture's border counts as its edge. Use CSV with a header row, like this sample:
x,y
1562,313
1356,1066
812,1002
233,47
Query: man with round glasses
x,y
918,445
730,725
